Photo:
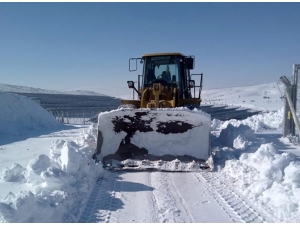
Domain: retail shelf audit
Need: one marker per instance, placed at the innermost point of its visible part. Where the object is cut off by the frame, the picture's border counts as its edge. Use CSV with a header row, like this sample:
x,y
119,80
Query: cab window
x,y
162,67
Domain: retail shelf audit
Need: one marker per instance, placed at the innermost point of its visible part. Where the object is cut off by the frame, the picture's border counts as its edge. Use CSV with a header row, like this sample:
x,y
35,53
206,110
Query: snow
x,y
155,142
266,176
59,183
265,97
47,173
24,89
270,179
14,108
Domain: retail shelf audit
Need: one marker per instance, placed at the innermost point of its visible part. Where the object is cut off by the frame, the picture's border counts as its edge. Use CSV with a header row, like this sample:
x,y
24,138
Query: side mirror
x,y
130,84
191,83
133,63
189,63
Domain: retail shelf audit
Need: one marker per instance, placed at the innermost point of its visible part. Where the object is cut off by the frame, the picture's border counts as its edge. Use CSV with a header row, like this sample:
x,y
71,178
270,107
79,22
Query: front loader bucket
x,y
166,134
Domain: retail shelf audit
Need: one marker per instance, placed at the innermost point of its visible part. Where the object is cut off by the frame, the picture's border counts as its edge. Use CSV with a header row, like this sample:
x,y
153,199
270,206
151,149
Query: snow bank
x,y
19,114
61,182
156,142
267,177
270,179
261,122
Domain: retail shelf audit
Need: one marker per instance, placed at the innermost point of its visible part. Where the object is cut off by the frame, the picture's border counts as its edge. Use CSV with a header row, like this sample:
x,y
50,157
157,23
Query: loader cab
x,y
169,69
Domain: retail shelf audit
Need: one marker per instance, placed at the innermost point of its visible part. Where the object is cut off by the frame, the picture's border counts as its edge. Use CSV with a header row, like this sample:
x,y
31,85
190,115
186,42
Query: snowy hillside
x,y
24,89
260,97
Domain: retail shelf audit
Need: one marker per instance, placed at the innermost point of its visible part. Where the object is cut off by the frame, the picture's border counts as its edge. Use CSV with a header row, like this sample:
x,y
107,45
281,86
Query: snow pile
x,y
231,141
149,133
258,123
19,114
236,136
259,171
270,179
61,182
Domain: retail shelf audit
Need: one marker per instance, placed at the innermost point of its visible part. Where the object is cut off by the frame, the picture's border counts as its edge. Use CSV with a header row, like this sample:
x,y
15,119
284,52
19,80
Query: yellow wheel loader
x,y
164,128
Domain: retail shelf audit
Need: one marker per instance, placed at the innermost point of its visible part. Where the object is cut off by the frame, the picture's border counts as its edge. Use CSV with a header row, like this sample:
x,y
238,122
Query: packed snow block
x,y
292,174
89,137
241,142
55,179
13,174
70,157
35,167
178,131
39,164
19,114
55,152
236,136
88,141
216,124
55,149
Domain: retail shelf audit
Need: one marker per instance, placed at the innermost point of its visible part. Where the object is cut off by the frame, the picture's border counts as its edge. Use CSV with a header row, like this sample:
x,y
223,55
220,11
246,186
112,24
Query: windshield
x,y
163,68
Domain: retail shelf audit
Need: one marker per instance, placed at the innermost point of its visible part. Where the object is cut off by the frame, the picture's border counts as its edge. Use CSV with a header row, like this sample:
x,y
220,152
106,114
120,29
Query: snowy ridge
x,y
24,89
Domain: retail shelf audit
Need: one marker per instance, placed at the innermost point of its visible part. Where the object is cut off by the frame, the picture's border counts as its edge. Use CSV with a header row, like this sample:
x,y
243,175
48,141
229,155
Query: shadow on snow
x,y
8,138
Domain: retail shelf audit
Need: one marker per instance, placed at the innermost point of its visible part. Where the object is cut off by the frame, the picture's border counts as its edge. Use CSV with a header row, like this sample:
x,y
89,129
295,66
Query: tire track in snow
x,y
167,201
135,191
154,202
191,220
232,199
102,201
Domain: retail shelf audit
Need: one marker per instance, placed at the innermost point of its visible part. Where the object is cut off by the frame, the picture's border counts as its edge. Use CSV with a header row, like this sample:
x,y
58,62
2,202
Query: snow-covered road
x,y
167,197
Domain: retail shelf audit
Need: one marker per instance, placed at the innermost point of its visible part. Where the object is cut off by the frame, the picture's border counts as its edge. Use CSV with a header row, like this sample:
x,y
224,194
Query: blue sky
x,y
86,46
